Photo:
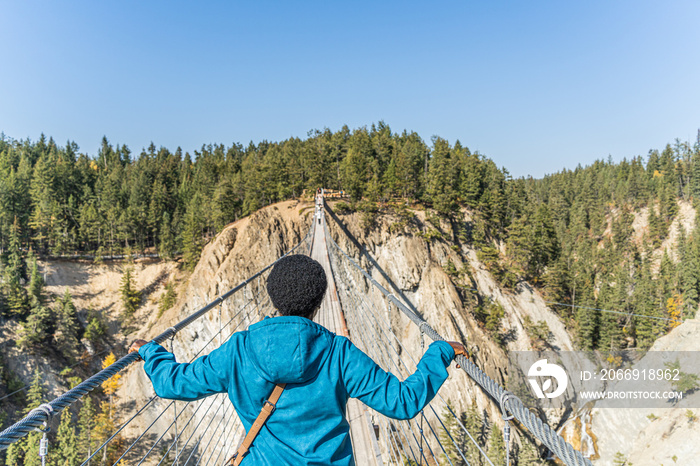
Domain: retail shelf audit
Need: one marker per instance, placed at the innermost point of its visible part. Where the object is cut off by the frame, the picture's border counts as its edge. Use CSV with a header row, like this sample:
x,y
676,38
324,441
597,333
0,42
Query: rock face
x,y
416,268
408,265
653,436
92,286
237,253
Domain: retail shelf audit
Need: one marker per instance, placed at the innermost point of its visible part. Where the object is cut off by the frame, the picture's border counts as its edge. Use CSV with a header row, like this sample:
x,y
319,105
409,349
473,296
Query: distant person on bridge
x,y
321,369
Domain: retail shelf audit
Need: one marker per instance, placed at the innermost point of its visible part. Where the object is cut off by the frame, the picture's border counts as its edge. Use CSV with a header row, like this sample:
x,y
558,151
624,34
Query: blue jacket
x,y
322,370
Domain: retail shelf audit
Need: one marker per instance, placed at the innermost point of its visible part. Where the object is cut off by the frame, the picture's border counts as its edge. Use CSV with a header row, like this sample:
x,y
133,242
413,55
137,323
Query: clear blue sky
x,y
536,86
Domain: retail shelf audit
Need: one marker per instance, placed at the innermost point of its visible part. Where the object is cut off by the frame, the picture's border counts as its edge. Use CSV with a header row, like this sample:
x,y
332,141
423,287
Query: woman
x,y
322,371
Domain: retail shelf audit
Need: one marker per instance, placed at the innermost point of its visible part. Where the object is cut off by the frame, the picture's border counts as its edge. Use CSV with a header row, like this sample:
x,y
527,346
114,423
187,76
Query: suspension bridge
x,y
207,432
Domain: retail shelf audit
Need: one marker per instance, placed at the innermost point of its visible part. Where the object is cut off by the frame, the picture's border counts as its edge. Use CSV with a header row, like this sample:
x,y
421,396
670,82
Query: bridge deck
x,y
330,316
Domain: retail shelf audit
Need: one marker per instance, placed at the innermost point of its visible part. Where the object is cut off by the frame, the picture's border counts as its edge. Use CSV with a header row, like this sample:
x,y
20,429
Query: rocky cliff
x,y
406,261
438,274
423,270
235,254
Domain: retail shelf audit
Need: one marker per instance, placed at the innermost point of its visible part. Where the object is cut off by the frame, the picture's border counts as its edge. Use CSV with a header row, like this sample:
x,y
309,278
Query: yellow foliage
x,y
674,306
111,385
614,361
93,165
104,424
657,174
104,428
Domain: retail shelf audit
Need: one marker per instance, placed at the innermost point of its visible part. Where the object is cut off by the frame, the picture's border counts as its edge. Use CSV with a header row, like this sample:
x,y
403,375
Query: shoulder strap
x,y
267,409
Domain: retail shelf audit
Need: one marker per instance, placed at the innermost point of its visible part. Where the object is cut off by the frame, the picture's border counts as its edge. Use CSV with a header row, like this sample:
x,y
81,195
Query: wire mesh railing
x,y
510,405
425,439
160,431
157,431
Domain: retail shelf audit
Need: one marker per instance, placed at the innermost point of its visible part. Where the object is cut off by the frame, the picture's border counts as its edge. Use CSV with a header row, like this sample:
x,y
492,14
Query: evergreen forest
x,y
569,234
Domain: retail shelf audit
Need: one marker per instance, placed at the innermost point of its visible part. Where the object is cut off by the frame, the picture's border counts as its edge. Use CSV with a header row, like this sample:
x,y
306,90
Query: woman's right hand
x,y
136,345
459,349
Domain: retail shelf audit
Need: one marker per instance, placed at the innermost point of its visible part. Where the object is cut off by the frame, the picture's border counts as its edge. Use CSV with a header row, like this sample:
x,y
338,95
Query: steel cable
x,y
556,444
37,418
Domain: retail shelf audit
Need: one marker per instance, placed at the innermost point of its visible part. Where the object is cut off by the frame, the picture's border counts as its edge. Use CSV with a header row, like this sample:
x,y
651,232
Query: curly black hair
x,y
296,286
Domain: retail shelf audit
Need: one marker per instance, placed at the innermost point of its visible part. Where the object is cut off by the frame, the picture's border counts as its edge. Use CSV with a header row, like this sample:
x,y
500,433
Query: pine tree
x,y
355,165
471,179
131,298
622,229
31,452
442,178
67,326
494,201
192,242
43,200
391,180
668,206
226,205
695,170
646,303
4,310
657,227
36,282
14,455
614,327
36,329
528,455
452,437
409,165
587,319
374,188
167,299
90,222
96,328
16,295
27,450
474,424
689,265
496,447
87,441
166,245
104,428
520,244
557,281
35,394
66,445
620,460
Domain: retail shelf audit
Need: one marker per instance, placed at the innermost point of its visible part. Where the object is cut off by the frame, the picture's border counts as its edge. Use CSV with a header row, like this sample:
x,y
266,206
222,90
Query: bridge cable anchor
x,y
44,442
175,415
505,396
422,414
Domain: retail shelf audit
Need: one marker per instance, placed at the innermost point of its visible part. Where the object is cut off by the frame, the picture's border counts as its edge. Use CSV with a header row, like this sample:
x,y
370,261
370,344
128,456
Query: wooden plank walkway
x,y
330,315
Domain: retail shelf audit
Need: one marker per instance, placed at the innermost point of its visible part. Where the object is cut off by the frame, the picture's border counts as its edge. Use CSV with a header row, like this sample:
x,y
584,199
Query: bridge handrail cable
x,y
38,417
560,447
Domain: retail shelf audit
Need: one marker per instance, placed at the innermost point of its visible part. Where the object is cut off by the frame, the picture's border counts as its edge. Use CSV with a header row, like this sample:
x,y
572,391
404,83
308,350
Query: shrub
x,y
343,208
691,416
167,299
538,332
96,329
686,383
